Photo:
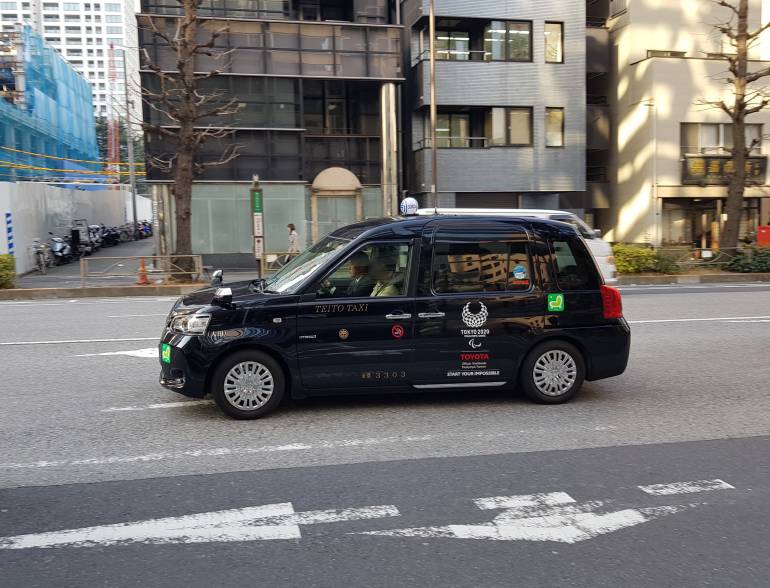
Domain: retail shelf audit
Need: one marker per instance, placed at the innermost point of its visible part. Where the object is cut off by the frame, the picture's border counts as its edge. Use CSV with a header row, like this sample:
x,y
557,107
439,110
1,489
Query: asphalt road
x,y
388,490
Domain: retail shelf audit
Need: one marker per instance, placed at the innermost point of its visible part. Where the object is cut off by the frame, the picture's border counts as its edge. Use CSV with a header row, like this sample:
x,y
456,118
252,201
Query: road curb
x,y
691,279
99,291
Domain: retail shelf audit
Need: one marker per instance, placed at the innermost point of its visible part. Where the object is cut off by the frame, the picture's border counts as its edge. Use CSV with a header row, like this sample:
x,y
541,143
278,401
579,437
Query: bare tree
x,y
748,98
188,109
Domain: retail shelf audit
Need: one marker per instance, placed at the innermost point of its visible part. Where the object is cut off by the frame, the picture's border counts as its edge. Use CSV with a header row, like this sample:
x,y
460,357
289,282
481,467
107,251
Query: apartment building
x,y
669,165
83,32
511,100
317,81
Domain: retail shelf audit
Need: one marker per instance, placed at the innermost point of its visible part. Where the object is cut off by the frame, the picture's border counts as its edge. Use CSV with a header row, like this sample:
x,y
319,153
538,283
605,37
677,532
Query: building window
x,y
7,5
50,6
113,18
508,41
715,138
509,126
453,131
71,6
112,7
554,127
114,30
453,45
554,42
114,41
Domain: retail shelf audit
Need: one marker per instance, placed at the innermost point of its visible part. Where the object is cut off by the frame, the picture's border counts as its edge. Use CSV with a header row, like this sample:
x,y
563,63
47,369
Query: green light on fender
x,y
556,303
165,353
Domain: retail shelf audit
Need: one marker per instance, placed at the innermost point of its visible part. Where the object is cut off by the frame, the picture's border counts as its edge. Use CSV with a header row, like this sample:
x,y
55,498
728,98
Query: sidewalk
x,y
716,278
68,276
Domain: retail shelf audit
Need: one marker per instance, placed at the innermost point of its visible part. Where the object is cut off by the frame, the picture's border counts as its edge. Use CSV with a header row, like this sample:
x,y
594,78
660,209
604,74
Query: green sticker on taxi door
x,y
556,303
165,353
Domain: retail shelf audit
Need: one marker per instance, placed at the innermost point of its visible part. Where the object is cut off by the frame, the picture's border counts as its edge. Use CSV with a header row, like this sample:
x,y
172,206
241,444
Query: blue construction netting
x,y
54,116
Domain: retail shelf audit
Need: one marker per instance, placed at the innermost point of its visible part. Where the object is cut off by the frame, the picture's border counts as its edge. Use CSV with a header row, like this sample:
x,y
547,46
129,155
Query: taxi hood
x,y
242,291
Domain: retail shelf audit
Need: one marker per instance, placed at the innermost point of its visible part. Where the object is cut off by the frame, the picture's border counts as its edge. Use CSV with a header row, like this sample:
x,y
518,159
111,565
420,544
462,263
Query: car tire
x,y
248,385
552,373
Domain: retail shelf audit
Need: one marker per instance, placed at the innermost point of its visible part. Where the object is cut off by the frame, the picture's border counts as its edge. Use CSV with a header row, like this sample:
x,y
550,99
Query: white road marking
x,y
743,322
257,523
540,517
715,319
149,352
81,341
135,315
694,286
87,302
212,452
156,406
686,487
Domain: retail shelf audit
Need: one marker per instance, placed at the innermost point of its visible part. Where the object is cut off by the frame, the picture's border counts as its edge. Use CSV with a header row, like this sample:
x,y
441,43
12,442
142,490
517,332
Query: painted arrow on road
x,y
540,517
258,523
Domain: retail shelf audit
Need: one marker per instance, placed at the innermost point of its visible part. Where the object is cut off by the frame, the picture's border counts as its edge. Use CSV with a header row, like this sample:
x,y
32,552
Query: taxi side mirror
x,y
216,278
223,297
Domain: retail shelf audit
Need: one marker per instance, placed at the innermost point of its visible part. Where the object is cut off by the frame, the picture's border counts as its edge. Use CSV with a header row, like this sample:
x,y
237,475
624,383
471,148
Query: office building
x,y
669,163
83,33
317,83
511,103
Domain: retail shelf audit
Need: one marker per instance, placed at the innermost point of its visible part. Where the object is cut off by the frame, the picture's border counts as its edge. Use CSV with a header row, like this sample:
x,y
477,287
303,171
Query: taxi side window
x,y
575,270
377,270
480,267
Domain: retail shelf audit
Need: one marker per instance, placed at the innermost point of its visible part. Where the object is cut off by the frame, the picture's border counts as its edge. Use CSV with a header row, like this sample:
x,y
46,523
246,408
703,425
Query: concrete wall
x,y
38,209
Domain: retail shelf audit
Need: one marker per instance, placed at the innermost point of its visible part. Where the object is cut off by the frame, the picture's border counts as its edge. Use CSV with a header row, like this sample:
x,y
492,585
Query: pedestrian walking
x,y
293,239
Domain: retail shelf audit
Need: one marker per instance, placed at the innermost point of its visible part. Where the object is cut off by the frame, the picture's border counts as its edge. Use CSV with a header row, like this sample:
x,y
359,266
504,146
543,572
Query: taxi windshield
x,y
291,276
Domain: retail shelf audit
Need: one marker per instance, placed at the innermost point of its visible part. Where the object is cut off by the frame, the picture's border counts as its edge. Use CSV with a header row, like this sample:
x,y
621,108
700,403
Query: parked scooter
x,y
61,250
94,235
110,236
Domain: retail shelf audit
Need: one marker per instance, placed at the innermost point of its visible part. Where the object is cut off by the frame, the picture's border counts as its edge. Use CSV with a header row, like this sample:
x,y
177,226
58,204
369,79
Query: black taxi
x,y
404,304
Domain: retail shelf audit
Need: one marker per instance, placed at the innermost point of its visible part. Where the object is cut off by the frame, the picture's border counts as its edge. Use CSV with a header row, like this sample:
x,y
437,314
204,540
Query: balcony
x,y
597,50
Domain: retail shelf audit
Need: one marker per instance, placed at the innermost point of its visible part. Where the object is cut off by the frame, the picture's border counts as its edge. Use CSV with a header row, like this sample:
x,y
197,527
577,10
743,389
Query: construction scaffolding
x,y
46,108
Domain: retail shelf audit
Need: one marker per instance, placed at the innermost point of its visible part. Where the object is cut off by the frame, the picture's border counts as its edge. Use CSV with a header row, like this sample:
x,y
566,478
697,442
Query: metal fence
x,y
688,258
138,270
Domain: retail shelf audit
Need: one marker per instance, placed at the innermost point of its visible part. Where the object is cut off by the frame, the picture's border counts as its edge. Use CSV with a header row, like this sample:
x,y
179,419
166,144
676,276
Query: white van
x,y
601,250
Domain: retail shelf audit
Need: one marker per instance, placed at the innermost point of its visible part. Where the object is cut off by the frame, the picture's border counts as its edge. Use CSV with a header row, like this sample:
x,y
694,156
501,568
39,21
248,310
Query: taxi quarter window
x,y
480,267
378,270
575,270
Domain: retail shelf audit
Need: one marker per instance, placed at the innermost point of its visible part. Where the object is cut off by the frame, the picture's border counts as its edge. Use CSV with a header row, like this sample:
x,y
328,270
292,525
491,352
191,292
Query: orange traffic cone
x,y
142,277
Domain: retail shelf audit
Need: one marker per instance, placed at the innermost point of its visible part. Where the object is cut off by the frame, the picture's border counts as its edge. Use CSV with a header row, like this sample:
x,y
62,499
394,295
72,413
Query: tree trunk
x,y
734,208
182,190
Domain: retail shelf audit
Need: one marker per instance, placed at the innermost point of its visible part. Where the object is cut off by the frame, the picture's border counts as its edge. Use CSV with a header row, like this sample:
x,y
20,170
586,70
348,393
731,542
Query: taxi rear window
x,y
480,267
574,266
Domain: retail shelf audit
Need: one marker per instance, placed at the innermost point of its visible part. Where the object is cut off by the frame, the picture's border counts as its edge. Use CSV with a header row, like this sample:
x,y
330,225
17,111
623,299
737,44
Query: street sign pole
x,y
257,222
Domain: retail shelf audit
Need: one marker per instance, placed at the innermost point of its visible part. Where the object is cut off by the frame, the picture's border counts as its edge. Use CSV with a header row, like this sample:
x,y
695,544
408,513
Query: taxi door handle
x,y
398,317
432,315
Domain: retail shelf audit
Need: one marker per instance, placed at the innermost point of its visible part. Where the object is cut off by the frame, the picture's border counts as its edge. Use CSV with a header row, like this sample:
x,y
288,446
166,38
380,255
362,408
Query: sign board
x,y
258,225
256,201
715,170
259,246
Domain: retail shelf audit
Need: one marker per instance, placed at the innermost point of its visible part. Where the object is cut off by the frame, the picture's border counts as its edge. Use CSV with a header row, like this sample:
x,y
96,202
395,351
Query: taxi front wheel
x,y
553,372
248,384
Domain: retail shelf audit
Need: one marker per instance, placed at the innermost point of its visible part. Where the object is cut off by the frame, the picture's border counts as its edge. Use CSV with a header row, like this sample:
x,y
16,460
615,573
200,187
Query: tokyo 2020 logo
x,y
475,320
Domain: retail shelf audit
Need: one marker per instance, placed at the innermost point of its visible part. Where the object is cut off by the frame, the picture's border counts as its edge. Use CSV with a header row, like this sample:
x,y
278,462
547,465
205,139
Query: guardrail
x,y
690,258
144,269
272,262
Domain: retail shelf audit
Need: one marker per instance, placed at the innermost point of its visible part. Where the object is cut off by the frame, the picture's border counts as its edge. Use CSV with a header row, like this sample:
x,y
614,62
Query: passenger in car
x,y
388,281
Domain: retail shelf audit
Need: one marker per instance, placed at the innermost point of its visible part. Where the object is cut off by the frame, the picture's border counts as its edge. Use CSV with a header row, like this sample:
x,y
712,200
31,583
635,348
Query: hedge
x,y
635,259
7,271
755,260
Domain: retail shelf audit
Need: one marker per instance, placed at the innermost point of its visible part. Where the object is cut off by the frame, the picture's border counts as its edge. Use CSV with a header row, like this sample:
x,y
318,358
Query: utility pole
x,y
433,107
130,142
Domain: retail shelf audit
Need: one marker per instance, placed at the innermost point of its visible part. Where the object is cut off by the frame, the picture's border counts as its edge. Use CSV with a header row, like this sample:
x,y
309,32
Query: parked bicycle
x,y
42,257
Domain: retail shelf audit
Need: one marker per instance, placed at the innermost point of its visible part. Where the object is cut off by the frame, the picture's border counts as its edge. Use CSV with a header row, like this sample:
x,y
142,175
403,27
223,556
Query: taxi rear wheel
x,y
248,385
553,372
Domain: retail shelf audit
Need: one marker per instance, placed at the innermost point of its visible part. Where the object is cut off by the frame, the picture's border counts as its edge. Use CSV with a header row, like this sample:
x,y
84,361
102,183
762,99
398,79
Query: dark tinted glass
x,y
480,267
574,266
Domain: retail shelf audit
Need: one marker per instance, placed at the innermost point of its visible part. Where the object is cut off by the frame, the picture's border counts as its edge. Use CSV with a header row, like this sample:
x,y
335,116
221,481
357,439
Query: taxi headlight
x,y
191,324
